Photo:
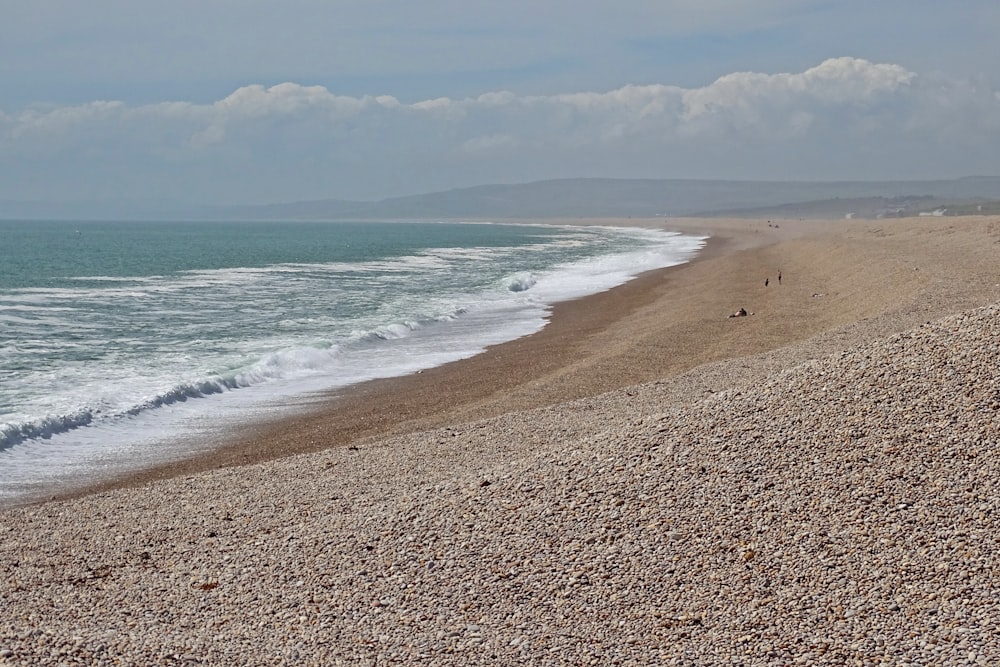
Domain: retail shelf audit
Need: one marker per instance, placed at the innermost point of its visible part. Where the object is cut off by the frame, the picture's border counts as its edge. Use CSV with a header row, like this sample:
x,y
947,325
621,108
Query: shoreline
x,y
577,354
397,405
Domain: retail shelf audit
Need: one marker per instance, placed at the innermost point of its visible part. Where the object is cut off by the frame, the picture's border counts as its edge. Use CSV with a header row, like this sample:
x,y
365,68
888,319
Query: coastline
x,y
645,481
467,389
588,347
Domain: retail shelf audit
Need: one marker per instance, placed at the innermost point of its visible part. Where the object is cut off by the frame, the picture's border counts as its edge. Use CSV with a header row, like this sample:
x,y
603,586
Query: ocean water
x,y
125,344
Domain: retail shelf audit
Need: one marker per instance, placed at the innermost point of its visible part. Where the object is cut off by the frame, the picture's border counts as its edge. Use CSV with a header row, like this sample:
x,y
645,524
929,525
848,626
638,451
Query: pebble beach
x,y
646,481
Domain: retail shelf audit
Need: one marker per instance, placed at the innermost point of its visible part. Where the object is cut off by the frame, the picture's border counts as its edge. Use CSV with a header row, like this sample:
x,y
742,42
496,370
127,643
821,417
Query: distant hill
x,y
594,198
825,209
583,198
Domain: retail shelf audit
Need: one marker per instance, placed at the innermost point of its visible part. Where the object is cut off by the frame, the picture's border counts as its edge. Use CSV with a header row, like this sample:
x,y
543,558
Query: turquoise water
x,y
119,341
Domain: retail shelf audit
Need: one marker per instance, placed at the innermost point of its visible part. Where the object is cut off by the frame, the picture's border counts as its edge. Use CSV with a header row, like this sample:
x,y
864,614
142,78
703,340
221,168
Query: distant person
x,y
766,281
742,312
779,277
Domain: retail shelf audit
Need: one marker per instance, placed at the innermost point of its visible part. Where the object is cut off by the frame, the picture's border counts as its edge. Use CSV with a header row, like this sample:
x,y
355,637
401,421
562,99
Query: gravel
x,y
841,509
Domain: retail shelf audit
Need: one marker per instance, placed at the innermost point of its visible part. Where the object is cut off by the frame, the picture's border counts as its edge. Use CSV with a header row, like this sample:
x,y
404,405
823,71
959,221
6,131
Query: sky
x,y
260,101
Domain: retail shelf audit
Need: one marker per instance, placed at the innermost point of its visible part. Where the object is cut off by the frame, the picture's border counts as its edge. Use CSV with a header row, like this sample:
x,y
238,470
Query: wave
x,y
294,362
46,427
42,429
275,365
520,282
398,330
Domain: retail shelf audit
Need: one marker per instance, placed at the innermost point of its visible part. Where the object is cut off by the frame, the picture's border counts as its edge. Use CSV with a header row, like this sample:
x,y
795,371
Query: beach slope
x,y
646,481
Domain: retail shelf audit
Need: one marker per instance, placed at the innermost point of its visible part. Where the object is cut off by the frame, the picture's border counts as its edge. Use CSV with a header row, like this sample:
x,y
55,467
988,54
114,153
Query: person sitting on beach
x,y
742,312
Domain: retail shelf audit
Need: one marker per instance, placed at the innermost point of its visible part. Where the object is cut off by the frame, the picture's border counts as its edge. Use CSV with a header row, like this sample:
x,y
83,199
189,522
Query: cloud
x,y
735,104
834,83
283,103
787,105
61,121
293,141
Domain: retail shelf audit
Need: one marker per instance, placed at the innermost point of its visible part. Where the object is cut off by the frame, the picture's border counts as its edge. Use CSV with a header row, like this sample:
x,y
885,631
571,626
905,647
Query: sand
x,y
646,481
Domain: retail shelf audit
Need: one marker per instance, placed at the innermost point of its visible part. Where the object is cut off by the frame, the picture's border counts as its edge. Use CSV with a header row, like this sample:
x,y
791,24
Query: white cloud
x,y
441,107
287,99
293,141
784,105
838,81
49,122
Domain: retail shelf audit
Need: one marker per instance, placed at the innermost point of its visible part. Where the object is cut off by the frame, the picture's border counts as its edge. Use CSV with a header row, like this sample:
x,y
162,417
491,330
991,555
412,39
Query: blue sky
x,y
250,101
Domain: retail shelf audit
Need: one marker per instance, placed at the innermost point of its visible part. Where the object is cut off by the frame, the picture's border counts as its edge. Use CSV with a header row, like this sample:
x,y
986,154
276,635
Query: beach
x,y
645,481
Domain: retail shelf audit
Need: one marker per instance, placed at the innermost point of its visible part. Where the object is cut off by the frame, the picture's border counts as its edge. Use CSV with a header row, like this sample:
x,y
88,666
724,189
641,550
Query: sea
x,y
124,344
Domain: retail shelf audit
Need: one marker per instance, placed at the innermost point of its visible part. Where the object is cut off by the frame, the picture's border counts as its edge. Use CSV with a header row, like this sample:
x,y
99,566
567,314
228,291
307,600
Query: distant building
x,y
937,213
